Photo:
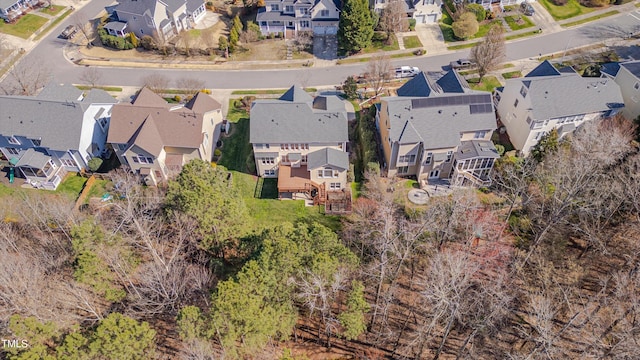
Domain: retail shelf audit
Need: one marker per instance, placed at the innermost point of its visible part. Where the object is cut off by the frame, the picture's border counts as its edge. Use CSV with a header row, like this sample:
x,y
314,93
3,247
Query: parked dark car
x,y
462,64
69,32
527,9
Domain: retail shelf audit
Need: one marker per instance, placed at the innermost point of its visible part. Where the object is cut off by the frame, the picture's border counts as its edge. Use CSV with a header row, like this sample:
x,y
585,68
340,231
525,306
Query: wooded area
x,y
543,265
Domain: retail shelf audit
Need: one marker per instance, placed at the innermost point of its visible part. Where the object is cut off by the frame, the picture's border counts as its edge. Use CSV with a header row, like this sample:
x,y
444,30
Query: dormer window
x,y
36,142
12,140
275,7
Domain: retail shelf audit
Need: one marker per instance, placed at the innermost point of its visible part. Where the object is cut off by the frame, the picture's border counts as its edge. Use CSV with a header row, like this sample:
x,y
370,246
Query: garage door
x,y
328,30
420,19
431,18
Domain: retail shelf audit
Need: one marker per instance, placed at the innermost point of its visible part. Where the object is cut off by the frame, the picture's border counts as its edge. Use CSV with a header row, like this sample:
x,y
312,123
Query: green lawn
x,y
445,26
447,31
411,42
52,10
105,88
235,114
382,45
512,74
518,36
592,18
512,21
462,46
24,27
71,185
571,9
53,24
98,189
488,83
236,150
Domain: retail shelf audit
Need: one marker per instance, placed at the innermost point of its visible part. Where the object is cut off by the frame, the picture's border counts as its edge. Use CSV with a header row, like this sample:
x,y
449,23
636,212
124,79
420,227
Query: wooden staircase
x,y
321,193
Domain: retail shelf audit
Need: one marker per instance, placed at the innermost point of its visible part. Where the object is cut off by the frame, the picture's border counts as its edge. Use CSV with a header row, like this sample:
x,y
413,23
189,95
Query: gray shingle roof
x,y
328,156
633,67
33,158
193,5
98,96
59,124
544,69
137,7
116,25
60,92
437,126
567,95
264,15
283,121
4,4
477,149
434,82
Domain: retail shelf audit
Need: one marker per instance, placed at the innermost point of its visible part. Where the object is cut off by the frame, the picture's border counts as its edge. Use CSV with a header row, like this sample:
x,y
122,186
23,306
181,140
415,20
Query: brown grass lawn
x,y
270,49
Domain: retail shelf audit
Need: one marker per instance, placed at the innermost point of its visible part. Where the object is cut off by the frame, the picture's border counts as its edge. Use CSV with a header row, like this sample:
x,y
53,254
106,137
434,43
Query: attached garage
x,y
325,30
431,18
420,19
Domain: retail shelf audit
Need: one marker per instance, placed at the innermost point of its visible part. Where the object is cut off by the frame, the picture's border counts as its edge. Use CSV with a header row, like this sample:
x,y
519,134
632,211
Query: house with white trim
x,y
58,131
627,76
292,16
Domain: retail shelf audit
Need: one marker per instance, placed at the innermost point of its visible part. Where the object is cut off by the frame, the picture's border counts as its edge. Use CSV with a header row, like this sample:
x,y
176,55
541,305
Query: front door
x,y
434,174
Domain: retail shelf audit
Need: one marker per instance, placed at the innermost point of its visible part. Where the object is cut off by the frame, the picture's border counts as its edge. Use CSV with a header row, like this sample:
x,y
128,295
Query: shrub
x,y
177,98
272,35
350,88
478,10
500,149
94,164
234,36
217,152
133,39
560,2
113,41
222,43
466,26
280,35
380,36
412,24
147,42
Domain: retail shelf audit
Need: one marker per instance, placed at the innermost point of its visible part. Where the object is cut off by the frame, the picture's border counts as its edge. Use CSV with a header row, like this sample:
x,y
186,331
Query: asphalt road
x,y
610,31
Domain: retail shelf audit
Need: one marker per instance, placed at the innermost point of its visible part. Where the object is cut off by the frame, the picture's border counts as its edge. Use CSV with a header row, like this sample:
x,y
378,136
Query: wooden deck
x,y
293,179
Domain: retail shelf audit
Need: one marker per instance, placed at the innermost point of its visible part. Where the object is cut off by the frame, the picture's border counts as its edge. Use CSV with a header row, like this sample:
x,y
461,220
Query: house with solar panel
x,y
548,98
437,128
302,141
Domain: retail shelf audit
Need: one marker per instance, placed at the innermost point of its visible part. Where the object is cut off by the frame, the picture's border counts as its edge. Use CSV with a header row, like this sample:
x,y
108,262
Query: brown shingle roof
x,y
146,97
202,103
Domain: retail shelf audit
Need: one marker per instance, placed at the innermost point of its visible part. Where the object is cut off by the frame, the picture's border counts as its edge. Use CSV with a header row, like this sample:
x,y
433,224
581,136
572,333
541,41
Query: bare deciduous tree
x,y
394,17
26,77
379,72
156,82
191,85
209,39
91,76
186,40
83,23
490,52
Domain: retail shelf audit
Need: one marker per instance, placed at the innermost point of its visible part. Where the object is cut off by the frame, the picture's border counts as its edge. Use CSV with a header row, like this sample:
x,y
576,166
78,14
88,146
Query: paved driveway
x,y
325,47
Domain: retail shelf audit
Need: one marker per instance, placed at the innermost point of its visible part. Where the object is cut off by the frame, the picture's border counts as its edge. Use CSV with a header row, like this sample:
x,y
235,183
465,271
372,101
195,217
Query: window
x,y
13,151
286,146
336,173
304,11
319,173
327,173
281,146
427,161
306,146
288,8
297,146
403,169
539,135
636,86
36,142
266,146
12,140
122,147
285,159
523,91
449,156
334,186
407,158
103,122
269,172
529,120
304,159
141,159
268,160
480,134
304,24
538,125
324,13
515,104
275,7
205,142
68,162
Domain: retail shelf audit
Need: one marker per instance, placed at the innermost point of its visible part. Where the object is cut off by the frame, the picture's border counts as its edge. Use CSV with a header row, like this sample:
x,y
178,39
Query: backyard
x,y
261,195
488,83
24,27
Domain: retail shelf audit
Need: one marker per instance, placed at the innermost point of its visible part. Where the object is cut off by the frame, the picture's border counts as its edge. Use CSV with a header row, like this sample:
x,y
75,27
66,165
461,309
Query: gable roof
x,y
284,120
544,69
328,156
434,82
153,126
34,159
477,148
58,123
146,97
60,92
203,103
568,95
137,7
633,67
610,68
296,94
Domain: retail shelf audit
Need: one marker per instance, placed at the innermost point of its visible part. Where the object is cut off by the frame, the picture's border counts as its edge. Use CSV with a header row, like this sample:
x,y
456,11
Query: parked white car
x,y
406,71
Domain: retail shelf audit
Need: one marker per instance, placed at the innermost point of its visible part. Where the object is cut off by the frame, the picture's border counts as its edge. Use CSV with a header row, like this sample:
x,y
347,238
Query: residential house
x,y
627,76
11,9
292,16
302,141
164,18
423,11
436,129
58,131
548,98
155,139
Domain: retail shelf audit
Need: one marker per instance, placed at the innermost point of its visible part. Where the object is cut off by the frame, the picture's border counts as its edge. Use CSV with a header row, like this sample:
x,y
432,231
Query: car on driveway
x,y
406,71
462,64
68,32
527,9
